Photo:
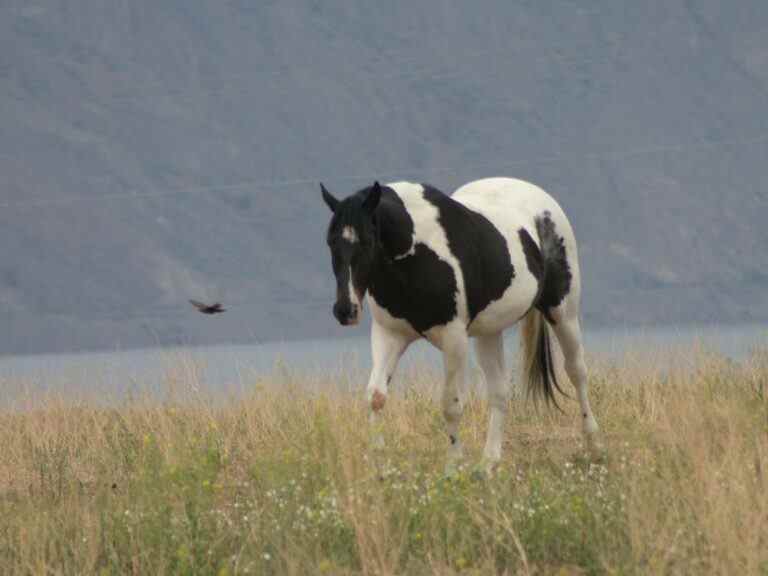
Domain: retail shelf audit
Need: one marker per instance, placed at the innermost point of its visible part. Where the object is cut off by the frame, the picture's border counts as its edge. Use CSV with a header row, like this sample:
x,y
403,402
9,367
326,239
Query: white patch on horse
x,y
349,234
410,252
356,304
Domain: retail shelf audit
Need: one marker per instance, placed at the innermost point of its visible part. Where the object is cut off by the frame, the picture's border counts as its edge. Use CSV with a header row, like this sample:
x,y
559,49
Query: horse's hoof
x,y
451,470
481,473
596,448
453,467
377,442
488,467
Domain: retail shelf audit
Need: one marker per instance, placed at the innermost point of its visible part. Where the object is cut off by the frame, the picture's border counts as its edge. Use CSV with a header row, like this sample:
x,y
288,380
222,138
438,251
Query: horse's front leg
x,y
387,347
455,361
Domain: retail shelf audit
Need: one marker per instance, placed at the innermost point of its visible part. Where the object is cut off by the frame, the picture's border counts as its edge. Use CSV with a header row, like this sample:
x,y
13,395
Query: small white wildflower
x,y
266,556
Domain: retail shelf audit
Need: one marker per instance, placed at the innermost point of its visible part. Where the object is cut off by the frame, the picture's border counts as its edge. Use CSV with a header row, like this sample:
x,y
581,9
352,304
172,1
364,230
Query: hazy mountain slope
x,y
152,152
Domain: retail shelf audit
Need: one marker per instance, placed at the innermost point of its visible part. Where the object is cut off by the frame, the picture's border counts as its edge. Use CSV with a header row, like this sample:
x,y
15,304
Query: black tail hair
x,y
539,368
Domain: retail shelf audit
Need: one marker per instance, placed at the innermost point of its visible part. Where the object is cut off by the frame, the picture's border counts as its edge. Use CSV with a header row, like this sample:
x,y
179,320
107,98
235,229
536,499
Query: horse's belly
x,y
510,308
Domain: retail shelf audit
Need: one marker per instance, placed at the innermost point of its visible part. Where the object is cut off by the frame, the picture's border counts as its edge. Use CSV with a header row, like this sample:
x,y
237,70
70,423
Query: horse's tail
x,y
548,263
538,367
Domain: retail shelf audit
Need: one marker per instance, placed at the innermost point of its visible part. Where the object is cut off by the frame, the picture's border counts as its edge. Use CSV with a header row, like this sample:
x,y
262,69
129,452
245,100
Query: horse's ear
x,y
372,199
332,202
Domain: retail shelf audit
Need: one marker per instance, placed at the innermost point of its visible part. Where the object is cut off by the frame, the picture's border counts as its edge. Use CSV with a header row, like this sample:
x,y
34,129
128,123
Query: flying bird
x,y
208,308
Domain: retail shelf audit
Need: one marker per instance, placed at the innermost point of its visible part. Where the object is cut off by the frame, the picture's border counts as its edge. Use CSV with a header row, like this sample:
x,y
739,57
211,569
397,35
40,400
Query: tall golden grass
x,y
282,479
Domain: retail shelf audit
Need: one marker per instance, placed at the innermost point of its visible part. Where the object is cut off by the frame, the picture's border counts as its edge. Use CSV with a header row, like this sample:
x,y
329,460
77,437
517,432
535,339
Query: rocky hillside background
x,y
155,151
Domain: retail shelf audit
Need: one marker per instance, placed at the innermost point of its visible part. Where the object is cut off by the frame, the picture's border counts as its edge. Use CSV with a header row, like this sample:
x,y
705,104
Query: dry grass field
x,y
282,479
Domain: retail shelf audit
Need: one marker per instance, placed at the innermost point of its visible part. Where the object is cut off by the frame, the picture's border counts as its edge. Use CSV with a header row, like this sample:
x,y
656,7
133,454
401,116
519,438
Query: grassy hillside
x,y
283,481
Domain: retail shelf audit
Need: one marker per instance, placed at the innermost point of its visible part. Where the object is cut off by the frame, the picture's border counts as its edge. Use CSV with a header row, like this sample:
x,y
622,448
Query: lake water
x,y
231,369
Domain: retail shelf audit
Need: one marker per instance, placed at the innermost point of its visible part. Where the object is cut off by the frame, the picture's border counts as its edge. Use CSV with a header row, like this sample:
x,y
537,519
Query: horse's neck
x,y
394,230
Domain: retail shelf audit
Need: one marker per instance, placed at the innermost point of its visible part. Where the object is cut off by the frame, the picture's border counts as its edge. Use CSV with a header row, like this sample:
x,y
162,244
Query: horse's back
x,y
509,200
511,204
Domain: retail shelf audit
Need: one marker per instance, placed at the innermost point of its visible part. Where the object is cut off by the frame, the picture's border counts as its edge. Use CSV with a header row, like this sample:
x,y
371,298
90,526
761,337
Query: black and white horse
x,y
447,268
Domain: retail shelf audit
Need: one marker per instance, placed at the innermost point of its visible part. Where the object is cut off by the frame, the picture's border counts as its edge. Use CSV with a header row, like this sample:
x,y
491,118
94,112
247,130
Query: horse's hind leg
x,y
454,346
490,356
568,331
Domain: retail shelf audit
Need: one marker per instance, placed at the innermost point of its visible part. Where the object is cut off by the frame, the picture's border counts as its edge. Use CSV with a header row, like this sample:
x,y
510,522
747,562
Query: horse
x,y
448,268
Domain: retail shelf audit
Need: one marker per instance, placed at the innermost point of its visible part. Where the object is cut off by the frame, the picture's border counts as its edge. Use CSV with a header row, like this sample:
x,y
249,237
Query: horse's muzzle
x,y
347,313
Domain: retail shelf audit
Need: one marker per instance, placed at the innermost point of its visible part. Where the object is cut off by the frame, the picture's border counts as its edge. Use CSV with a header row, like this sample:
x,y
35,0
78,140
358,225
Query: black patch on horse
x,y
479,247
548,264
393,223
532,253
419,288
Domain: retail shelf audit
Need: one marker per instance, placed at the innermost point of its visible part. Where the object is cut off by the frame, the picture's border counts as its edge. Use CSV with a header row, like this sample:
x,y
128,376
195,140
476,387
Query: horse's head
x,y
352,238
